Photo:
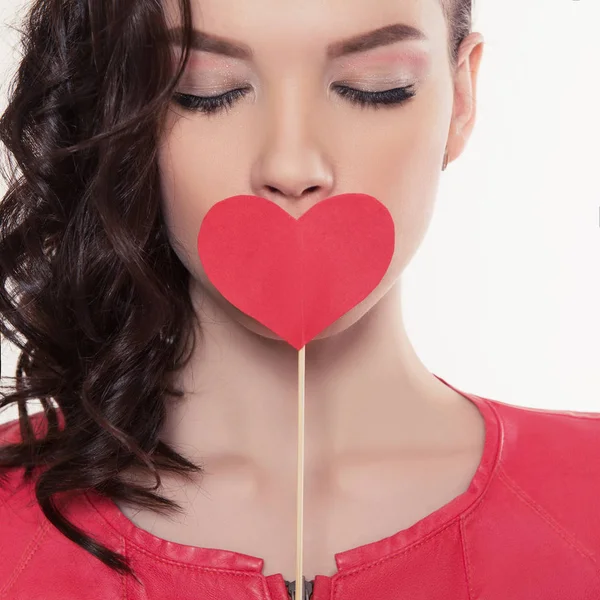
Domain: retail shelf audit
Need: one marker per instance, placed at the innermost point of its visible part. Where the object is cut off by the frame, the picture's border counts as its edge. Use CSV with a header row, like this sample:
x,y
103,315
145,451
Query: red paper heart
x,y
296,276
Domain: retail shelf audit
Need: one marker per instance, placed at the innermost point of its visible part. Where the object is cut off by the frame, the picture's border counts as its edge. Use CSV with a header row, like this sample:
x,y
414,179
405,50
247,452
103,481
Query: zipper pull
x,y
308,589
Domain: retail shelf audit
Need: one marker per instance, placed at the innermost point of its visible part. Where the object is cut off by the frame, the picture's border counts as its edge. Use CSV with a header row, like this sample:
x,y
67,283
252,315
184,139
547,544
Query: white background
x,y
503,297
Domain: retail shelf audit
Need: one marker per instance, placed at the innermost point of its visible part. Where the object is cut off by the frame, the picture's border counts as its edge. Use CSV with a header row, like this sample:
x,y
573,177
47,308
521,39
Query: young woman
x,y
128,121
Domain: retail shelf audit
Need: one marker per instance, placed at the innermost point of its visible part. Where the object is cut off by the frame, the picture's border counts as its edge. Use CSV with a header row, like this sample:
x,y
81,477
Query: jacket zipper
x,y
308,589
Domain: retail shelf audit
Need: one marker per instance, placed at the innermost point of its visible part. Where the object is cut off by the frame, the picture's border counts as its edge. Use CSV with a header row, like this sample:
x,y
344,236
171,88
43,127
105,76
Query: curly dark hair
x,y
91,291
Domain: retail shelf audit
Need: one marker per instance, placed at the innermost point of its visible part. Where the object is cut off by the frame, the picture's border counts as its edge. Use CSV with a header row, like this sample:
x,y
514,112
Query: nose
x,y
288,190
293,168
294,182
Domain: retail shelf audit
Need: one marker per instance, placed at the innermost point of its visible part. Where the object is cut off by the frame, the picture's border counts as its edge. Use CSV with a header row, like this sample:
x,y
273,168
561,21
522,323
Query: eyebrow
x,y
384,36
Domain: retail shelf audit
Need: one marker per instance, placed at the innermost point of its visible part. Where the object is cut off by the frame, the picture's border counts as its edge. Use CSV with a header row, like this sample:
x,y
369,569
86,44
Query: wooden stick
x,y
300,478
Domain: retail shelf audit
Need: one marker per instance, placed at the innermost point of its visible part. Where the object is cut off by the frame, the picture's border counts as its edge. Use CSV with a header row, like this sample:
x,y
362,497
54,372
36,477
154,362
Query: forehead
x,y
287,28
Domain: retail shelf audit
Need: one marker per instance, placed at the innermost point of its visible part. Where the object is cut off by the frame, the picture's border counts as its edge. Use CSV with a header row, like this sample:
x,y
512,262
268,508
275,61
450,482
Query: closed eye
x,y
213,104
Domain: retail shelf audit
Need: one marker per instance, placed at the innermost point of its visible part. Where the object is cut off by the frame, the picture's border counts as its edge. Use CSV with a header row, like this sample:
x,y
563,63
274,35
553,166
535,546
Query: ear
x,y
465,94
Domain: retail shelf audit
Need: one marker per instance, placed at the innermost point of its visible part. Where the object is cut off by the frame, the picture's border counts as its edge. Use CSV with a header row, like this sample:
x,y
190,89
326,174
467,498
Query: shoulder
x,y
21,521
532,436
549,461
10,431
13,484
38,555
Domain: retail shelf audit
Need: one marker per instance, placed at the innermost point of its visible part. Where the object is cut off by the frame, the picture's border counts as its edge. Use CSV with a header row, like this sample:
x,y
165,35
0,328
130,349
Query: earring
x,y
445,160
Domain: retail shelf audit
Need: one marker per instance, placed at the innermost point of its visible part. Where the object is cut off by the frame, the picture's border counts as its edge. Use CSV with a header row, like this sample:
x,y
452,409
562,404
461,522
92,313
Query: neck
x,y
366,394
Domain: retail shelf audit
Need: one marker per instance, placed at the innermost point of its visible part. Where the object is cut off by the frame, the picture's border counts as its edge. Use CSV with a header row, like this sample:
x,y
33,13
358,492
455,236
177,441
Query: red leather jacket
x,y
527,528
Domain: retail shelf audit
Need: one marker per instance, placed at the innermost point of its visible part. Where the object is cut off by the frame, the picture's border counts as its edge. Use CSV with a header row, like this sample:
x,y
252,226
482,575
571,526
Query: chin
x,y
346,323
349,320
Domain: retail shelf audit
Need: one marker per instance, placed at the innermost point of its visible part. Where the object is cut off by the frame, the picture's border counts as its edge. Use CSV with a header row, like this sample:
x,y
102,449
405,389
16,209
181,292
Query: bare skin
x,y
386,442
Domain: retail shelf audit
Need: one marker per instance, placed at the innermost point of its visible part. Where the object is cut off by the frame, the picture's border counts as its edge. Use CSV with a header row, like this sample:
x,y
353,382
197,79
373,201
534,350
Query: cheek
x,y
178,203
183,207
192,180
402,171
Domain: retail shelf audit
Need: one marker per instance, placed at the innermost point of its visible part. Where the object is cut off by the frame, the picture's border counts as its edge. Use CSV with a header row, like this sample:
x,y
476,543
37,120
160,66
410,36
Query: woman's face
x,y
294,138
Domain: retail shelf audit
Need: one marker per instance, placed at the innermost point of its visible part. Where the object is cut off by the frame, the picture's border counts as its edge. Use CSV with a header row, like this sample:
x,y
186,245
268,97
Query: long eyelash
x,y
209,104
213,104
376,100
